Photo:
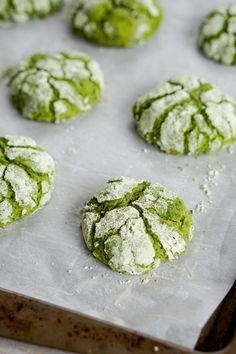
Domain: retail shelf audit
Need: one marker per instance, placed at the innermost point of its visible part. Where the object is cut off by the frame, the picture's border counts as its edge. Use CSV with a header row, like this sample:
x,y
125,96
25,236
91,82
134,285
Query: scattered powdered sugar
x,y
230,149
200,208
210,181
233,178
71,150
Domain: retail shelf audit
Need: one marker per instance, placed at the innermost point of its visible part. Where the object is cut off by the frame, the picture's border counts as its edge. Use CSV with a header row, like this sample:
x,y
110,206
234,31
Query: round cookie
x,y
55,87
23,10
133,225
119,23
186,115
217,35
26,178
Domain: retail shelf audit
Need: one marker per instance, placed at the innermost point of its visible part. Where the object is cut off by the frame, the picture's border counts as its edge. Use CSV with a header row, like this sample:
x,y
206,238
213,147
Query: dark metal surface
x,y
34,321
37,322
220,328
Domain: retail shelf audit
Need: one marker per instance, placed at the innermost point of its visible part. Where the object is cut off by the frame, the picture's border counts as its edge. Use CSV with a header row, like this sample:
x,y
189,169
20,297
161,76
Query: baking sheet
x,y
44,255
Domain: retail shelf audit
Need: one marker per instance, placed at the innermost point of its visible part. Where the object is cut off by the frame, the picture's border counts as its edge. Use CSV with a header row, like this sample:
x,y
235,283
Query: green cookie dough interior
x,y
23,10
55,87
133,225
120,23
186,115
26,178
217,35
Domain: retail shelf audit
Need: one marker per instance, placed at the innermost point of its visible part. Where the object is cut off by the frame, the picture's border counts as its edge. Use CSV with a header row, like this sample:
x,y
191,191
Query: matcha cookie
x,y
186,115
119,23
217,35
55,87
26,178
23,10
133,225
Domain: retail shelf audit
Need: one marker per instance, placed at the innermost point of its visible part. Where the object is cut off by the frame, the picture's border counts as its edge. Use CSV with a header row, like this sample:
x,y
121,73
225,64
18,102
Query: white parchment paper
x,y
44,255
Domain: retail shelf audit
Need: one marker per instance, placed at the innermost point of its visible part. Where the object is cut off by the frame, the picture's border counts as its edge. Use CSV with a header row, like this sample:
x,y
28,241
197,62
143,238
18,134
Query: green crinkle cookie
x,y
217,35
26,178
55,87
186,115
119,23
133,225
23,10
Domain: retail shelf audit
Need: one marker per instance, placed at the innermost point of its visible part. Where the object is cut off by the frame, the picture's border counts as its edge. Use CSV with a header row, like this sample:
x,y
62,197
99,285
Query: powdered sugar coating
x,y
55,87
116,22
132,225
186,115
23,10
26,178
217,35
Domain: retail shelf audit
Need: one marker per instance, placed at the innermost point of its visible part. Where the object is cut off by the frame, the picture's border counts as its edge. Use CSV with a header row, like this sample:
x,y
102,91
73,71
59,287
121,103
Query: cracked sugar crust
x,y
116,22
23,10
26,178
133,225
55,87
217,35
186,115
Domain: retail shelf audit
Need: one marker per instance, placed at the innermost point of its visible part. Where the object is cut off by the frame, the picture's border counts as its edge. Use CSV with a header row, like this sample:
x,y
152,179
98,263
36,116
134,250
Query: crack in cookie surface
x,y
26,178
23,10
186,115
116,22
217,35
55,87
133,225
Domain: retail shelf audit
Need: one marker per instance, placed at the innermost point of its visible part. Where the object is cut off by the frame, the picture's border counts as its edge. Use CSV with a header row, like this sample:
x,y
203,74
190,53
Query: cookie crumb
x,y
70,128
71,150
206,189
189,272
230,149
233,179
200,208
